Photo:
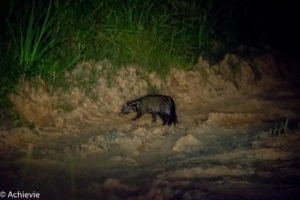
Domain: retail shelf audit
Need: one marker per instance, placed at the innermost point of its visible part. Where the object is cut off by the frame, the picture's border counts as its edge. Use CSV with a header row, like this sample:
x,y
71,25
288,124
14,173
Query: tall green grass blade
x,y
34,37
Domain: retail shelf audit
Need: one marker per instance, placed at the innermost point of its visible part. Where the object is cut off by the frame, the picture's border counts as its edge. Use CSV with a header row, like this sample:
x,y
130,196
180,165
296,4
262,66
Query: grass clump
x,y
32,37
281,128
47,39
140,33
155,35
34,41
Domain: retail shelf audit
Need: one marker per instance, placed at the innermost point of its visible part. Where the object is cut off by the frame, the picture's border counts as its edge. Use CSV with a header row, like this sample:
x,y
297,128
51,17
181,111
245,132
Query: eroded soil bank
x,y
222,148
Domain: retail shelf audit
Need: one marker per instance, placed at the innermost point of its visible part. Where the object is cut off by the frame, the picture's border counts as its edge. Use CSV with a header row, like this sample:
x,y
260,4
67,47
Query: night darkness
x,y
268,22
150,100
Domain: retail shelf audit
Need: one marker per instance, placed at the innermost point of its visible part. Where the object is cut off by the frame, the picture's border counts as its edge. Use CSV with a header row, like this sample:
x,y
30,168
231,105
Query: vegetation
x,y
47,39
281,128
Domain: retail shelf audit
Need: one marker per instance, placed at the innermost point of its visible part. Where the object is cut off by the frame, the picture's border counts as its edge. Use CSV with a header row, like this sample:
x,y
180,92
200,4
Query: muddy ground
x,y
227,144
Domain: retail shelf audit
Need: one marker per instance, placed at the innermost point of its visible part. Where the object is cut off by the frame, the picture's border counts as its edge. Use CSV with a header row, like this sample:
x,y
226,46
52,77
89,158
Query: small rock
x,y
187,143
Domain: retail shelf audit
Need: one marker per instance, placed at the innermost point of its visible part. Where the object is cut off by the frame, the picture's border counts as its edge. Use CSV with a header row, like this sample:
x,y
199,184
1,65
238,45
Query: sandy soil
x,y
222,148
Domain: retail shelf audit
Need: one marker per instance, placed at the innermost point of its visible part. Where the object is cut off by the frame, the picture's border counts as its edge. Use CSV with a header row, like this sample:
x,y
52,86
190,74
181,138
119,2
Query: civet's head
x,y
129,108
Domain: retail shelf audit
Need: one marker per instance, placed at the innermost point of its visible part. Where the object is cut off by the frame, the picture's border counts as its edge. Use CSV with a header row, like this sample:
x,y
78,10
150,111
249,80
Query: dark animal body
x,y
161,105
